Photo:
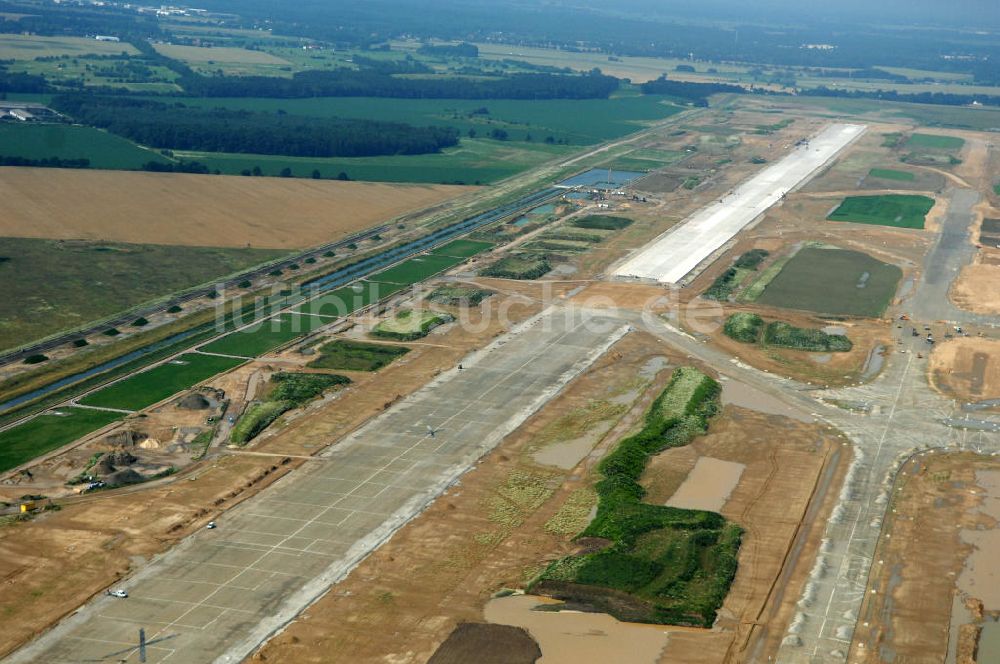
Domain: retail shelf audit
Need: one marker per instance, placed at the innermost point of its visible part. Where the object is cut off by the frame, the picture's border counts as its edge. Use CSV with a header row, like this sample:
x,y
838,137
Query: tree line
x,y
368,83
180,127
698,93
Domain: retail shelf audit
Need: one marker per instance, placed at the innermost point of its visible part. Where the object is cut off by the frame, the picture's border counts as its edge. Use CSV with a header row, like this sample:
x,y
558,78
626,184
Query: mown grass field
x,y
900,211
344,301
52,286
935,142
834,282
461,248
266,335
149,387
43,141
417,269
890,174
48,432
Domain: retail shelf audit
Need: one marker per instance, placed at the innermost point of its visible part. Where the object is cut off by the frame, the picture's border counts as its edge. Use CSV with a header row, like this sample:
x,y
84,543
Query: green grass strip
x,y
48,432
889,174
462,248
152,386
897,210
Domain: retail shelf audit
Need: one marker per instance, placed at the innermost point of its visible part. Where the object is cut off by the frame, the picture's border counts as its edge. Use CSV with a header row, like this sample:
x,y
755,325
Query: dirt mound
x,y
121,458
487,644
193,401
105,466
122,477
125,438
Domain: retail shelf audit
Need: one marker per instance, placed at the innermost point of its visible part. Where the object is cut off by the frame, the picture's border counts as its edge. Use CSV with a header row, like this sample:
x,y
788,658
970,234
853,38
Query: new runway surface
x,y
670,258
221,592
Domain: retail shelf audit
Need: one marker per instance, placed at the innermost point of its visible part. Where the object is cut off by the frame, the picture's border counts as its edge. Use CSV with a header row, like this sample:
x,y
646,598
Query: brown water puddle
x,y
744,396
567,454
580,638
708,485
980,578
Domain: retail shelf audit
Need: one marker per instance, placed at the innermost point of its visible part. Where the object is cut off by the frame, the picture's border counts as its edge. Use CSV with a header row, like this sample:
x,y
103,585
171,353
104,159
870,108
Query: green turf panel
x,y
49,432
347,300
835,282
416,269
149,387
266,335
897,210
462,248
935,142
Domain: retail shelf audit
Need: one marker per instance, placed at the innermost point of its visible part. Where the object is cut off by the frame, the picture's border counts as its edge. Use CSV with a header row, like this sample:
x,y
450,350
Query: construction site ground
x,y
520,507
929,597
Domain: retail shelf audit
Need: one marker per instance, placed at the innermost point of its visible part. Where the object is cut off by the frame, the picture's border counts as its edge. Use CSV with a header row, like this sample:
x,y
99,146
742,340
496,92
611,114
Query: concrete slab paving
x,y
220,593
674,255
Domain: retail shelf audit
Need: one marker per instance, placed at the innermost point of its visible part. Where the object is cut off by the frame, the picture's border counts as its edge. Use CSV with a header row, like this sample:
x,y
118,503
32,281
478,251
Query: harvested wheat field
x,y
198,210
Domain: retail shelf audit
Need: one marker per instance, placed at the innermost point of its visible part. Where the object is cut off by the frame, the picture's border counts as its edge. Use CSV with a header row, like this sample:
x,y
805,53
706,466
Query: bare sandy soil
x,y
770,501
967,368
917,600
976,289
196,210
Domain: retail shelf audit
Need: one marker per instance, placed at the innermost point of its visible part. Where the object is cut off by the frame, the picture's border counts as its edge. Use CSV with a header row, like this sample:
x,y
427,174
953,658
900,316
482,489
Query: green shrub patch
x,y
784,335
750,329
518,266
289,390
662,564
727,282
347,355
458,295
410,325
745,327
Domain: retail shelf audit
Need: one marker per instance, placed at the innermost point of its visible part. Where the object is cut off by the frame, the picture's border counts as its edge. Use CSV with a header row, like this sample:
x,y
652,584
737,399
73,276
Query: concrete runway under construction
x,y
222,592
672,257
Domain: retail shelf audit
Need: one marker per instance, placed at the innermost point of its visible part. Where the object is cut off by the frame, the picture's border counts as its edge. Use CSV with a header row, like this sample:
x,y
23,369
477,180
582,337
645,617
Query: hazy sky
x,y
972,13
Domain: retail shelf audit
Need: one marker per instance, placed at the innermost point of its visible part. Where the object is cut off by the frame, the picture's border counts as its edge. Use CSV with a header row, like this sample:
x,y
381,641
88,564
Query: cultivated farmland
x,y
901,211
44,141
52,286
29,47
149,387
194,210
833,281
